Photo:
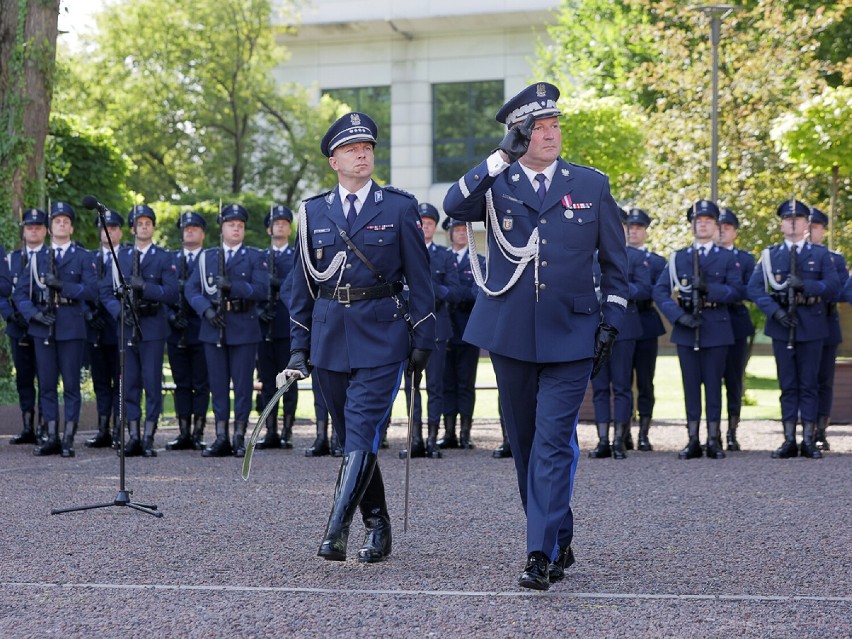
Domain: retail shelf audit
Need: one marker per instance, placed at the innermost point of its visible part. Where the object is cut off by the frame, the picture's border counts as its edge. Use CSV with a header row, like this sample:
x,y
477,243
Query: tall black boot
x,y
602,449
693,446
618,437
239,444
628,438
505,449
148,439
788,449
117,425
68,439
449,440
418,449
28,434
464,433
644,427
374,512
355,474
808,448
733,424
103,439
184,438
133,448
221,447
432,449
320,446
714,441
272,439
41,431
819,436
287,431
199,423
52,445
334,446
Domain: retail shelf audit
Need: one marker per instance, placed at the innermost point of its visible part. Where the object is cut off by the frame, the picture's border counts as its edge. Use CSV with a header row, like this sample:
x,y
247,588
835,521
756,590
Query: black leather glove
x,y
267,314
43,317
784,318
137,283
214,318
517,139
417,360
96,320
53,281
275,282
604,339
19,320
298,366
797,283
224,285
178,322
689,320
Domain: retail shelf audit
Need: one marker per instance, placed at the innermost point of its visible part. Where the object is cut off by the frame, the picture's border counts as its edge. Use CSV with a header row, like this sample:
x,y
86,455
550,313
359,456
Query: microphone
x,y
91,203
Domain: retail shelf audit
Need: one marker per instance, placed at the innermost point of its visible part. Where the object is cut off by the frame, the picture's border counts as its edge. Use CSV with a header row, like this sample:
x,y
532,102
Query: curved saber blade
x,y
255,433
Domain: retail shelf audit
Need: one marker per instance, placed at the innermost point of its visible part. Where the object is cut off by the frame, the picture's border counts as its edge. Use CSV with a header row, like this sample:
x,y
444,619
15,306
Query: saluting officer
x,y
356,245
794,302
149,271
647,346
34,230
52,297
462,358
445,283
275,328
612,387
186,351
701,322
818,227
228,301
538,313
743,327
103,339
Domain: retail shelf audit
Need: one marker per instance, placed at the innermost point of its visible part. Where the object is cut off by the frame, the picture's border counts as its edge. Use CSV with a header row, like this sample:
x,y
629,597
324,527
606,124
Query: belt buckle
x,y
343,295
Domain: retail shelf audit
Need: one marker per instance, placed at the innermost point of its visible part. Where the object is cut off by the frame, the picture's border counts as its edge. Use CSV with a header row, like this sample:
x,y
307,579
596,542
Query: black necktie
x,y
189,259
541,190
701,252
58,255
229,256
351,214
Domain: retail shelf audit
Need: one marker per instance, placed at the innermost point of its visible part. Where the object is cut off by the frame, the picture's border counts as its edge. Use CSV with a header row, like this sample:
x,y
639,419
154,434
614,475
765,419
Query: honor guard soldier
x,y
791,285
647,346
818,226
445,283
462,358
34,230
743,327
225,291
537,313
275,328
149,272
186,351
706,279
52,297
612,387
356,245
103,339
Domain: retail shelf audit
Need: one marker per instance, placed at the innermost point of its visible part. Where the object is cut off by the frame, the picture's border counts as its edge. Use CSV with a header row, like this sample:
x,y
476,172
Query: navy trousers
x,y
703,367
231,365
541,405
645,365
460,366
144,370
24,358
103,364
63,358
826,379
612,387
192,384
798,375
434,375
735,365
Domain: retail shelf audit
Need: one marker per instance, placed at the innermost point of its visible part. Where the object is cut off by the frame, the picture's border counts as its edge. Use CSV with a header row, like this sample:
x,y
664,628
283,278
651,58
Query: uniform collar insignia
x,y
378,196
516,177
566,172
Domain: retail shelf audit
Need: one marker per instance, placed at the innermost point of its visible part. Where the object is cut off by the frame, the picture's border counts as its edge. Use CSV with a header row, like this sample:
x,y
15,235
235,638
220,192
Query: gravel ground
x,y
746,546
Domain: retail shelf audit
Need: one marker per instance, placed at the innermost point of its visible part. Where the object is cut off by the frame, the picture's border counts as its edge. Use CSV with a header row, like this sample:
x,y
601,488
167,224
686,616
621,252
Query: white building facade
x,y
433,72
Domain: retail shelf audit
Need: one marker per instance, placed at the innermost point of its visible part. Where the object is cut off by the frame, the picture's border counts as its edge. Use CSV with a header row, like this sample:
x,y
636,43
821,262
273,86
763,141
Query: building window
x,y
375,102
464,129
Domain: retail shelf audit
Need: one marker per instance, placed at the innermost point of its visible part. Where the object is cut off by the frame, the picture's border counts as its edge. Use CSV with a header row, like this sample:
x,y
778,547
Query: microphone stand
x,y
123,496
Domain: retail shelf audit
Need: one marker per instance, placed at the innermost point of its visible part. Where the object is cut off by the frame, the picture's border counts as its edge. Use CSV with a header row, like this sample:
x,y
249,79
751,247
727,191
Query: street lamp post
x,y
715,12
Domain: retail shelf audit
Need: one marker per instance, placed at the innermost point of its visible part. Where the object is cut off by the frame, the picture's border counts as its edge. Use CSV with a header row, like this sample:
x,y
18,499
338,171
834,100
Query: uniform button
x,y
380,240
544,263
542,286
544,241
476,177
544,220
348,266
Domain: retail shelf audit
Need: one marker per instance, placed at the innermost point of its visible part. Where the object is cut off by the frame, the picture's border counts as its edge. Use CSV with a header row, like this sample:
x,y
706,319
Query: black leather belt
x,y
348,294
686,304
801,300
645,305
147,308
239,305
66,301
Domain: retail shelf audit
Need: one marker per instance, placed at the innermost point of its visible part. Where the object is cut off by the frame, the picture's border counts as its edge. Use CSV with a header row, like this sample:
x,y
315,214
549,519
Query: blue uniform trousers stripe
x,y
703,367
798,371
541,404
360,403
59,358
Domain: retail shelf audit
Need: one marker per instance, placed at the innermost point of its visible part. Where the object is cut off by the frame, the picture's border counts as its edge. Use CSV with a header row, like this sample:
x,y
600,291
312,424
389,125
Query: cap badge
x,y
540,90
355,119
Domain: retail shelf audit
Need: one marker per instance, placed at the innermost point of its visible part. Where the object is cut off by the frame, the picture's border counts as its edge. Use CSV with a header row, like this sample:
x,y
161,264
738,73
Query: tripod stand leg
x,y
145,509
57,511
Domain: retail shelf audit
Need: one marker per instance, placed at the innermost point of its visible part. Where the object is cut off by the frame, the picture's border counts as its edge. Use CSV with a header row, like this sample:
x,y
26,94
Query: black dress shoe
x,y
564,560
535,575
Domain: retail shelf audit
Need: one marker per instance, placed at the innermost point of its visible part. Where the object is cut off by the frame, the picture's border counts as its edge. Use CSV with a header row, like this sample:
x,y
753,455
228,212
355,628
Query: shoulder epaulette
x,y
393,189
318,195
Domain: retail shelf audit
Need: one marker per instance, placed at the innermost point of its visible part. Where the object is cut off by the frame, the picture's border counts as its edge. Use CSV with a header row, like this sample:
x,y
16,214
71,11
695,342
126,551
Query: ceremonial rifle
x,y
52,294
791,293
696,297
